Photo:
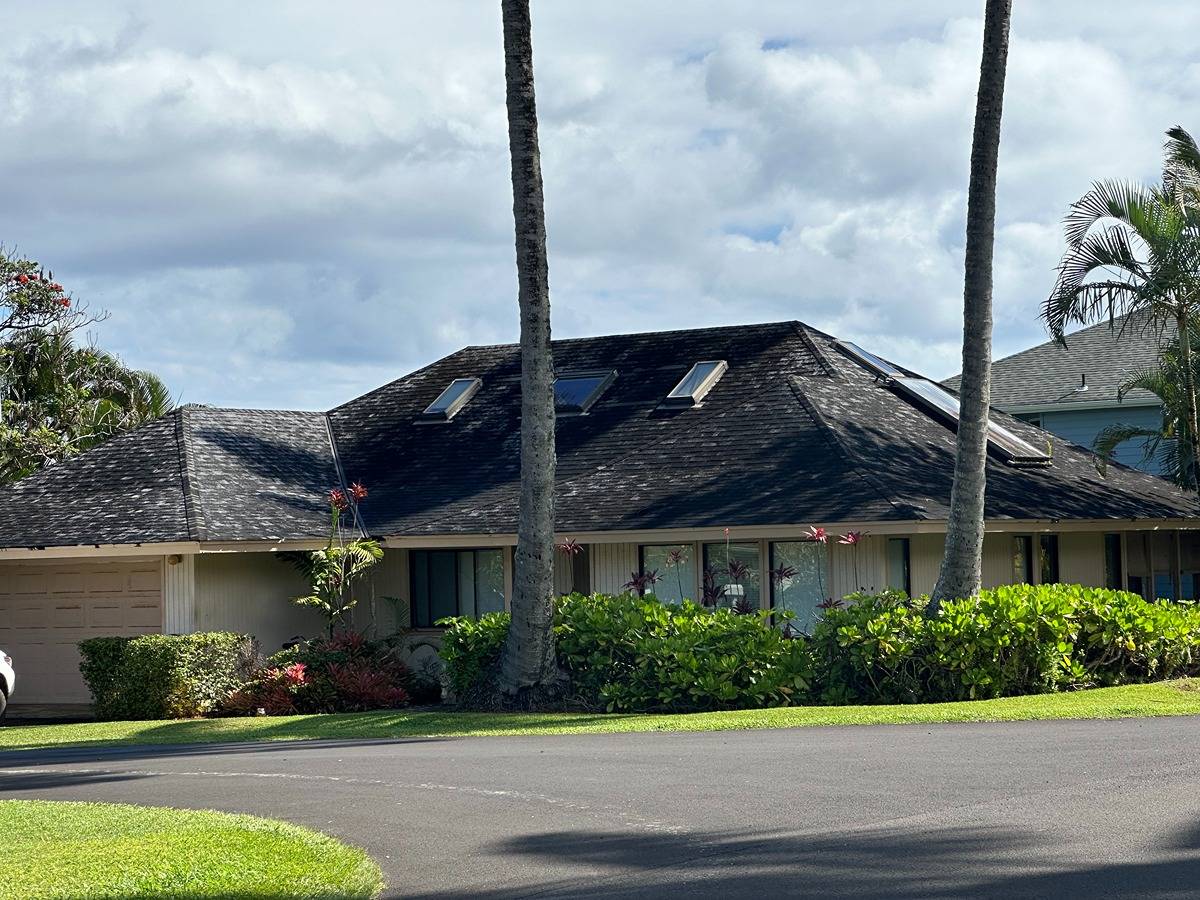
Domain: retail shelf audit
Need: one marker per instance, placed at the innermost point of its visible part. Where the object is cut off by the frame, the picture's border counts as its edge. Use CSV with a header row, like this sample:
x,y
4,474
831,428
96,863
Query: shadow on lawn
x,y
899,863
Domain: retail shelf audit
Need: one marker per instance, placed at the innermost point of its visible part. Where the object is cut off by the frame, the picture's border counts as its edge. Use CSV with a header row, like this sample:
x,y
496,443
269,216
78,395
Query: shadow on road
x,y
929,863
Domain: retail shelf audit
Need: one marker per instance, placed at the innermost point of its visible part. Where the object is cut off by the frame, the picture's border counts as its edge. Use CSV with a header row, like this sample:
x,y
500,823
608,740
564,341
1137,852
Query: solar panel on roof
x,y
868,359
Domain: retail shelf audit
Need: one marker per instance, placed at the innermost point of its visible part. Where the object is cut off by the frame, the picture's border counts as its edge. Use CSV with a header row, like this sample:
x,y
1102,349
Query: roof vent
x,y
452,399
1083,385
700,379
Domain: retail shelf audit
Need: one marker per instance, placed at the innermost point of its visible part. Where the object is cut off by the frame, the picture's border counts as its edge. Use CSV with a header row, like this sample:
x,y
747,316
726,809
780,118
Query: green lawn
x,y
1175,698
109,850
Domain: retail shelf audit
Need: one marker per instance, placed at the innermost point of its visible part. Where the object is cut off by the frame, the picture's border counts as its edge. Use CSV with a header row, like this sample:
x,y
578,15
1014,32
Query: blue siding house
x,y
1072,390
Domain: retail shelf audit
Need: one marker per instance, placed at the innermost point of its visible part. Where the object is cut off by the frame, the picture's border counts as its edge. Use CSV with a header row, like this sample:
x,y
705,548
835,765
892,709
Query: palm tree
x,y
962,565
528,667
1136,249
57,399
1168,445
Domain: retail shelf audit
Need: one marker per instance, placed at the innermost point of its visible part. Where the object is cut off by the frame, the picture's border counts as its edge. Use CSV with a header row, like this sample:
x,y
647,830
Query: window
x,y
1013,449
696,384
898,561
1022,559
733,574
575,393
802,591
676,568
452,399
1032,418
870,360
455,583
1164,586
1048,544
1113,564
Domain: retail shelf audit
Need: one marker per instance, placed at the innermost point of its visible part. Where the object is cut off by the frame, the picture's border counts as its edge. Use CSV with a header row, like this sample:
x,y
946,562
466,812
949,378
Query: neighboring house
x,y
722,442
1072,391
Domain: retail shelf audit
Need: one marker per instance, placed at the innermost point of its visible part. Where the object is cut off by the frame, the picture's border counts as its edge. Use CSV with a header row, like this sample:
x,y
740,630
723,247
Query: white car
x,y
8,680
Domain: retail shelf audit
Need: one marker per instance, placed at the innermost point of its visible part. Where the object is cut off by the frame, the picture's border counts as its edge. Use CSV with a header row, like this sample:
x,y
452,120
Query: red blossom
x,y
23,278
65,301
358,492
569,547
337,499
816,535
56,287
852,537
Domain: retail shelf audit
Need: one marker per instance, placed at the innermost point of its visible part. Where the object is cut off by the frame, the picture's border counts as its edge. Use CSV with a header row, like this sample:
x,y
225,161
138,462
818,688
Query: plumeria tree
x,y
333,570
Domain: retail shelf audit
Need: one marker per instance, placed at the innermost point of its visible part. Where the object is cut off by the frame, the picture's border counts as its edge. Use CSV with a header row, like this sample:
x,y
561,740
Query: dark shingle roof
x,y
793,433
1048,375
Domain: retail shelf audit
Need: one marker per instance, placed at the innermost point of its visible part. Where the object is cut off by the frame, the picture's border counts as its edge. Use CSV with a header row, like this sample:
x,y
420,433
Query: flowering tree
x,y
332,570
30,299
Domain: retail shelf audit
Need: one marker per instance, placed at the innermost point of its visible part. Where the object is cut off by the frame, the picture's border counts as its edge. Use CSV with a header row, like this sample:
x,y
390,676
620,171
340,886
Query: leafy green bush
x,y
164,676
344,673
635,653
471,650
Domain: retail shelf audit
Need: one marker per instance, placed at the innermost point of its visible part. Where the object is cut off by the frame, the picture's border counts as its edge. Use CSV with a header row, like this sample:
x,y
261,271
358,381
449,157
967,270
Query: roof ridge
x,y
359,520
777,323
193,509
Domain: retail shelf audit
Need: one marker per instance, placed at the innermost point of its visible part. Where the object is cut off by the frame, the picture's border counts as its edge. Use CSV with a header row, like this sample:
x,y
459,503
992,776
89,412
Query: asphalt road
x,y
1049,809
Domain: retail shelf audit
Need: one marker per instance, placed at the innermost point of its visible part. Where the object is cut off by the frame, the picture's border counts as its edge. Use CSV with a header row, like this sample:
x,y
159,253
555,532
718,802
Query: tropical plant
x,y
528,669
1135,249
58,399
1168,446
712,592
852,539
676,560
961,571
333,570
640,582
31,300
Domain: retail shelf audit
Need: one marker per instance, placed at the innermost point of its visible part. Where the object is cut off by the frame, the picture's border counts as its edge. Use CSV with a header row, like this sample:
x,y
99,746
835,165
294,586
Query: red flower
x,y
338,499
569,547
852,537
56,287
817,535
65,301
23,278
358,492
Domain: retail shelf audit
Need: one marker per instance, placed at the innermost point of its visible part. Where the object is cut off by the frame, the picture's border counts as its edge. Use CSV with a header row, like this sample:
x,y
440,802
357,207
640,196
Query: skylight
x,y
577,391
452,399
870,360
699,380
1014,449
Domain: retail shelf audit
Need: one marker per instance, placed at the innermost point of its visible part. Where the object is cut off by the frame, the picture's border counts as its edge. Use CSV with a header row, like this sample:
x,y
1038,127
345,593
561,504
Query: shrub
x,y
164,676
635,653
471,651
344,673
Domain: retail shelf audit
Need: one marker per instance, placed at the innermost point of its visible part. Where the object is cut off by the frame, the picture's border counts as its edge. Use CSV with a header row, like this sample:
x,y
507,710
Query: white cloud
x,y
281,207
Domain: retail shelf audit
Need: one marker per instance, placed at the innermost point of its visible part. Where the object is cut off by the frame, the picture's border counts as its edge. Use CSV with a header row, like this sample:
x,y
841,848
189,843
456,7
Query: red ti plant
x,y
738,571
852,539
711,591
569,547
817,535
676,560
640,582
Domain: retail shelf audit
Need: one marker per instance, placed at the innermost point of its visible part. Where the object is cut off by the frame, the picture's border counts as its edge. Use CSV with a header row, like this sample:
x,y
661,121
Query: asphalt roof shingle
x,y
793,433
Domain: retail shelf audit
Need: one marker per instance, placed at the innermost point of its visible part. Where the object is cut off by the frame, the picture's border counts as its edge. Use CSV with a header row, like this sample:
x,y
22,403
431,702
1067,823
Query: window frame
x,y
1117,567
906,542
455,406
1049,558
693,559
606,376
677,400
426,622
1030,569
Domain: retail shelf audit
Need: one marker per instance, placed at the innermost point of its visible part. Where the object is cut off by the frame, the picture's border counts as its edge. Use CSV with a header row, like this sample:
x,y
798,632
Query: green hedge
x,y
634,653
164,676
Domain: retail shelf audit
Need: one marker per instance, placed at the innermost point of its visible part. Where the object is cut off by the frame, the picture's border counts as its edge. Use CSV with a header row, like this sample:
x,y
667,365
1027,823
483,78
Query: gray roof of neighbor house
x,y
795,432
1049,375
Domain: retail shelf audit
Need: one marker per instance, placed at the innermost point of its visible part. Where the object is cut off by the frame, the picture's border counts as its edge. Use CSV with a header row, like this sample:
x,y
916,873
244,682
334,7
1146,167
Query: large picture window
x,y
799,580
675,565
455,583
735,571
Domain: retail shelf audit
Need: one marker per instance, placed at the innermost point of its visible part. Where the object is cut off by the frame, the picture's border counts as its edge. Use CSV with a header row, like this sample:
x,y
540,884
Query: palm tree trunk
x,y
962,563
1189,386
528,664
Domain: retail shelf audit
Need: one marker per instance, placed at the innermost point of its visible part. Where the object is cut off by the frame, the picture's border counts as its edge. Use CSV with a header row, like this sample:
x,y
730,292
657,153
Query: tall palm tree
x,y
1168,445
1136,249
528,667
962,565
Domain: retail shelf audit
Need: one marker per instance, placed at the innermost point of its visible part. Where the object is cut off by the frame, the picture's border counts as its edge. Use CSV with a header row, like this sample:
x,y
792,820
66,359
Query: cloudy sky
x,y
283,204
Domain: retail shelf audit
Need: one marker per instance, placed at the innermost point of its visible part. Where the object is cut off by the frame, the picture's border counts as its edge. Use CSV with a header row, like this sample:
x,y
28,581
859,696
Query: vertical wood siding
x,y
1081,559
872,566
612,564
252,593
925,560
179,595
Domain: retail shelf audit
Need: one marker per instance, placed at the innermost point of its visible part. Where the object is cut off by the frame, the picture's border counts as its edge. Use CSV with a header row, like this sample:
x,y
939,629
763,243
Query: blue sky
x,y
284,206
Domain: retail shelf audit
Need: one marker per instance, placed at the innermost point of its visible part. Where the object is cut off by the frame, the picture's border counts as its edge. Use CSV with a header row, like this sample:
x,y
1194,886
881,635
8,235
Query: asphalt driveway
x,y
1046,809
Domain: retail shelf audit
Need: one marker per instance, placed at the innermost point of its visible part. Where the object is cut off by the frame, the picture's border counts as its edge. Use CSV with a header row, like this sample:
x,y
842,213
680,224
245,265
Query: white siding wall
x,y
251,593
1081,559
997,560
871,567
612,564
925,559
376,613
179,594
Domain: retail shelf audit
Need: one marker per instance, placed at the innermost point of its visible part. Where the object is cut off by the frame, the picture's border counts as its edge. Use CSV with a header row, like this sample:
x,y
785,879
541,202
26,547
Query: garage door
x,y
47,609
